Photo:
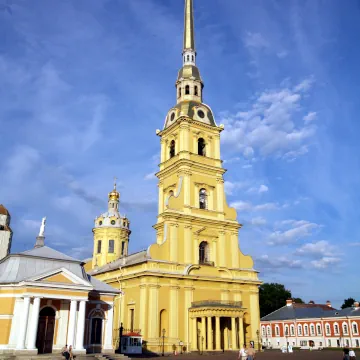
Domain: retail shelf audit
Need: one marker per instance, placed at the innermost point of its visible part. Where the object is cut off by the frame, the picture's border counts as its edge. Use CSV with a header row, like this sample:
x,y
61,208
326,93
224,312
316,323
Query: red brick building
x,y
311,325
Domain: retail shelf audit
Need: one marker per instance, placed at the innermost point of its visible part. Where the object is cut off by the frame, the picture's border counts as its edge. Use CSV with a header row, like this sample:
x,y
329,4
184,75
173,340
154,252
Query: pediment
x,y
60,276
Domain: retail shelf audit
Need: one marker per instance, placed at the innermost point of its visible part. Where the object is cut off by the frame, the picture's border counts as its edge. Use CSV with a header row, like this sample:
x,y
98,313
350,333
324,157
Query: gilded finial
x,y
114,194
189,36
115,178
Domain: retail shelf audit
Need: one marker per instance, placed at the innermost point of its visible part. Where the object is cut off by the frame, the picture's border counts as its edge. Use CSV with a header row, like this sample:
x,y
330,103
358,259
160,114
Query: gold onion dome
x,y
114,194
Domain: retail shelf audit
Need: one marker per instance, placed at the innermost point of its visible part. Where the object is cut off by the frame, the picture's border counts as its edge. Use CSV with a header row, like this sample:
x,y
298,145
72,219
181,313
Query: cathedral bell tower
x,y
195,224
111,233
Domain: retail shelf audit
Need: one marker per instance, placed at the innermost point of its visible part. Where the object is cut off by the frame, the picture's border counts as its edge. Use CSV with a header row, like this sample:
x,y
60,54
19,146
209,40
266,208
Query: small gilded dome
x,y
114,195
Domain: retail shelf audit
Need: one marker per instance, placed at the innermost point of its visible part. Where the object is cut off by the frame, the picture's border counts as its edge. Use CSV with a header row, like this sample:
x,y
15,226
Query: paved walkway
x,y
267,355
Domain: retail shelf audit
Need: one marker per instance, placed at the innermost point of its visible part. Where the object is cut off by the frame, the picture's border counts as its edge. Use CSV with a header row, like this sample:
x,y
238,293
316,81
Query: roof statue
x,y
42,227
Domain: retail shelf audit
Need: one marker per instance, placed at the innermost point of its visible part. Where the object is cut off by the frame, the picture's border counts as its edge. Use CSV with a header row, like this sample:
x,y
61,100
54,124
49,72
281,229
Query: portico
x,y
47,301
216,325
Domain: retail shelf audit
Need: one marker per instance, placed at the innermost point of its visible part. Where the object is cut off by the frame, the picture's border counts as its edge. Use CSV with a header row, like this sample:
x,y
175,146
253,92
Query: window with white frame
x,y
263,331
318,329
306,329
336,329
355,328
327,329
286,330
312,329
345,329
299,329
269,330
303,343
277,330
292,330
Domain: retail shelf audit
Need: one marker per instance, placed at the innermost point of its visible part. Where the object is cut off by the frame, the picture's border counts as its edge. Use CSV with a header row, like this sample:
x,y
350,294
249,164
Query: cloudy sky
x,y
84,85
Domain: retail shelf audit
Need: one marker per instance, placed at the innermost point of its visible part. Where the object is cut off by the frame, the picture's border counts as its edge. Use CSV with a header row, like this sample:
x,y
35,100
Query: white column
x,y
80,326
108,342
22,331
71,326
33,325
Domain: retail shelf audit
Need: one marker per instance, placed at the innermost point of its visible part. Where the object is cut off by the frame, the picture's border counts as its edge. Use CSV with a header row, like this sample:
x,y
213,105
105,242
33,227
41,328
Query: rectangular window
x,y
122,247
357,343
111,247
277,331
132,311
303,343
99,247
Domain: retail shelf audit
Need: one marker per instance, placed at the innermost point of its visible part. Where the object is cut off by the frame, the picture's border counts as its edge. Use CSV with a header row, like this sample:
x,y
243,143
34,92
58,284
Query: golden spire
x,y
189,35
114,195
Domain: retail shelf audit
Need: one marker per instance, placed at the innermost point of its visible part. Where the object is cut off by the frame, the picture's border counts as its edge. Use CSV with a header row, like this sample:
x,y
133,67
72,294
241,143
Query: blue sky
x,y
85,84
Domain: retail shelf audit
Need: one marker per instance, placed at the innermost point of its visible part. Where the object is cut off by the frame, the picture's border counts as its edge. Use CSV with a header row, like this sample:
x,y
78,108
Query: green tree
x,y
272,297
348,303
298,301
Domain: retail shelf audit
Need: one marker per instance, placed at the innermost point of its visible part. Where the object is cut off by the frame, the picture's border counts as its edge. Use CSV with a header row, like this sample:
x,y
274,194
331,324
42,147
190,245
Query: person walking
x,y
352,354
65,352
243,353
346,353
250,353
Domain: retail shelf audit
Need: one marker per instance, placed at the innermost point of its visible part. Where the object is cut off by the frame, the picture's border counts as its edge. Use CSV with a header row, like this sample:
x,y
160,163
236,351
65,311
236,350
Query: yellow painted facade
x,y
193,286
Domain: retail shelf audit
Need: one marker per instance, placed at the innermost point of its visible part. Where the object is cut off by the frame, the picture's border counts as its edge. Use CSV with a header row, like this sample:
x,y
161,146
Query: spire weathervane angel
x,y
42,227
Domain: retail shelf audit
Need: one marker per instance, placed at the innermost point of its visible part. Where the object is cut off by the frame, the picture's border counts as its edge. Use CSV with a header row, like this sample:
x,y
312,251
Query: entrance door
x,y
45,334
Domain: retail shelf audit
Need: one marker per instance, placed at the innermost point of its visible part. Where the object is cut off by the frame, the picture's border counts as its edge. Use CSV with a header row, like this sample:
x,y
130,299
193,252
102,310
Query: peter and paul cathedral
x,y
193,286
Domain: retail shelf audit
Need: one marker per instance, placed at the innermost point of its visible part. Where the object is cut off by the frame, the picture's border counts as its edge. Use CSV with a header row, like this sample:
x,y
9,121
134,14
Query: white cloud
x,y
294,154
325,262
255,40
270,127
150,176
355,244
247,166
320,248
311,116
230,187
277,262
298,230
258,221
246,206
263,188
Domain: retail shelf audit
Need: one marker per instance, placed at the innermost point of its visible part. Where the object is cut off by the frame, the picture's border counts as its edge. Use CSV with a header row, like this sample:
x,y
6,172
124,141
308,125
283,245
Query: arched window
x,y
299,329
196,91
355,328
277,330
263,330
292,330
269,330
204,252
202,199
336,329
327,329
318,329
179,91
312,329
192,57
172,148
99,246
286,330
187,90
111,246
123,248
345,329
188,57
201,147
306,330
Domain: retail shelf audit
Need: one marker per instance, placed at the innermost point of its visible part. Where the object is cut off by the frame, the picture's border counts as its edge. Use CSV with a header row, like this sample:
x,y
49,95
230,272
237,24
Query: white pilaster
x,y
80,326
108,342
33,325
22,331
71,326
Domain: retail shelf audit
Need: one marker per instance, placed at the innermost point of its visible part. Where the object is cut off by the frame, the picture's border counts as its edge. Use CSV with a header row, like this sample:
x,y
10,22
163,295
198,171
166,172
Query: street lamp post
x,y
163,341
198,333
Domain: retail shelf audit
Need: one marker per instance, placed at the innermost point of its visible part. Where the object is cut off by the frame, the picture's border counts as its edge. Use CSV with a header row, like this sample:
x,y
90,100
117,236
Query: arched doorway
x,y
46,327
96,320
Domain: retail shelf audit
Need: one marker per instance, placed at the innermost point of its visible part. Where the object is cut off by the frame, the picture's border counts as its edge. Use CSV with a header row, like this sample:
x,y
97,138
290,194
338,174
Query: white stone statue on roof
x,y
42,227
